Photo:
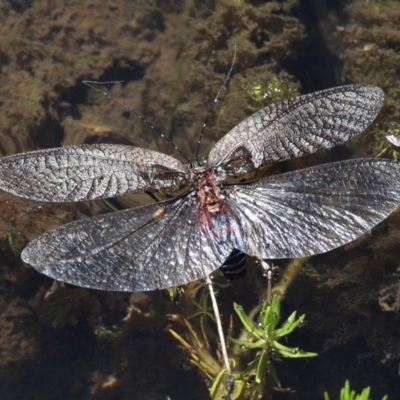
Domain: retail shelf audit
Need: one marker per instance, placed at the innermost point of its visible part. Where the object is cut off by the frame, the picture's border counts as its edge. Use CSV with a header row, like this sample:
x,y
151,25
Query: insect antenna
x,y
228,75
131,110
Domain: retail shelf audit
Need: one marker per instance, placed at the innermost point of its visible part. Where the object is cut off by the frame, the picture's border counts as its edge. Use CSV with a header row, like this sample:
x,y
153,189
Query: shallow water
x,y
172,57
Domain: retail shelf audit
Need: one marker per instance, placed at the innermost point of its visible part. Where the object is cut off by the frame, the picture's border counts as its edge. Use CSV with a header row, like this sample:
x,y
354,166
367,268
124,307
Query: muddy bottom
x,y
167,60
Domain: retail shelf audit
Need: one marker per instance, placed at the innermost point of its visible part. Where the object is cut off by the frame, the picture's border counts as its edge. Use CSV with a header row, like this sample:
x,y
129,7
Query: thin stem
x,y
230,382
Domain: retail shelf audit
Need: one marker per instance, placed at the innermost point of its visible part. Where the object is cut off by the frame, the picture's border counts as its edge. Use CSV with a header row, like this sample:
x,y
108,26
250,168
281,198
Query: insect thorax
x,y
208,192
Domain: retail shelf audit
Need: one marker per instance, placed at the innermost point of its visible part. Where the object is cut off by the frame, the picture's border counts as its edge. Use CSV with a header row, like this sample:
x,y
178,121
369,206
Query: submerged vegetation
x,y
263,338
253,348
270,91
347,394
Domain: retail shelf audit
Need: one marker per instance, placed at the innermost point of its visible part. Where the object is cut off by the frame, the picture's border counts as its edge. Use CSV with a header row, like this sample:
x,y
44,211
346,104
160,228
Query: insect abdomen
x,y
234,266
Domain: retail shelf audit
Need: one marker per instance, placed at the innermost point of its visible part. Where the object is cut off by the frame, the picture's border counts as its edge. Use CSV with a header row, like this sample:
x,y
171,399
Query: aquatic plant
x,y
264,337
387,147
347,394
259,340
271,91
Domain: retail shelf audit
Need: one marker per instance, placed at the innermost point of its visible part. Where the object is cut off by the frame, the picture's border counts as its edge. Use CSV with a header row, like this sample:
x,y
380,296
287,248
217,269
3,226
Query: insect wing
x,y
87,172
316,209
144,248
298,126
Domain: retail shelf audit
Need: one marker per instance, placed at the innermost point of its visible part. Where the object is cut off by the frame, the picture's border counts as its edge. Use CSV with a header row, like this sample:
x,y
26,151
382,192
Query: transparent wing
x,y
316,209
298,126
87,172
145,248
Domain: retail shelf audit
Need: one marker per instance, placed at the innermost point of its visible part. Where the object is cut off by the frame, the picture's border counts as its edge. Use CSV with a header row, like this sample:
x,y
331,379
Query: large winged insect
x,y
173,242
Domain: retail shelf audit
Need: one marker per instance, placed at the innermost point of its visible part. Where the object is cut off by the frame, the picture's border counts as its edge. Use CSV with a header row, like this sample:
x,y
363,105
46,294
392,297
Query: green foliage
x,y
264,337
387,148
271,91
9,245
260,339
347,394
12,241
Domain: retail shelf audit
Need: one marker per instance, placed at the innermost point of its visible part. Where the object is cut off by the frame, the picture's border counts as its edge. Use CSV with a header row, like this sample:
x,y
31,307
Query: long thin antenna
x,y
230,380
228,75
130,110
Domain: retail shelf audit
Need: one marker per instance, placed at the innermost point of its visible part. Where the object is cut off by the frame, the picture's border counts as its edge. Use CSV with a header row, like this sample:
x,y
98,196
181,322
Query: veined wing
x,y
298,126
316,209
87,172
144,248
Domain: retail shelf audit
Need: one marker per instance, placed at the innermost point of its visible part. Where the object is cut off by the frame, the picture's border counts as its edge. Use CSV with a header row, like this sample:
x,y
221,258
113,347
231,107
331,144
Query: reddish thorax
x,y
207,191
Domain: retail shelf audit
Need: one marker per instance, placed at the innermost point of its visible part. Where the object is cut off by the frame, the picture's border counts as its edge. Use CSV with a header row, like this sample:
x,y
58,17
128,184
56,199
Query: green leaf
x,y
366,392
248,345
290,325
326,396
262,367
248,324
251,367
273,374
290,352
347,394
270,315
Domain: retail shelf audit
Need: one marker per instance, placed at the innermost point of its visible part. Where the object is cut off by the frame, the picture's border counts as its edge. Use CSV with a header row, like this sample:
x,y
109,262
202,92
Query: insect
x,y
173,242
234,266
